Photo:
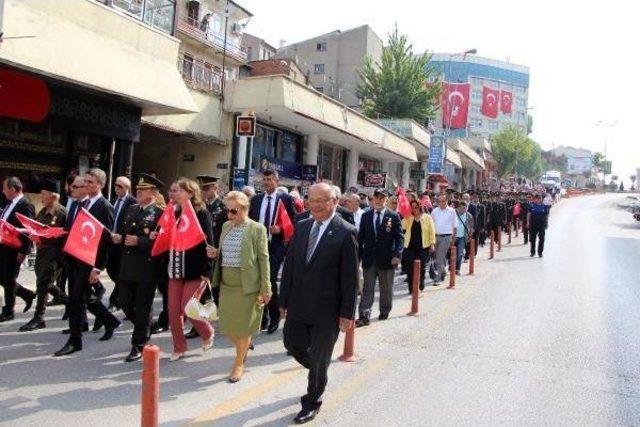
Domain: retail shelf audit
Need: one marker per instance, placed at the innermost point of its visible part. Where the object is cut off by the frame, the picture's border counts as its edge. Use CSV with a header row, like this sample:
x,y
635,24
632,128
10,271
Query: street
x,y
525,341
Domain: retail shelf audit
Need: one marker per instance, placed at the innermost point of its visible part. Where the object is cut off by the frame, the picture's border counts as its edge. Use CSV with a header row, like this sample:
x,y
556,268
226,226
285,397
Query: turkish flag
x,y
506,99
84,238
490,102
166,227
404,207
37,229
188,232
455,104
23,96
284,222
9,235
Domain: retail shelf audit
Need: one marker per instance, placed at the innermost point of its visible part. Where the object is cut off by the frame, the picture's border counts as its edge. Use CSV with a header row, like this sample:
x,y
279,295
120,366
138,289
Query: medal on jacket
x,y
388,225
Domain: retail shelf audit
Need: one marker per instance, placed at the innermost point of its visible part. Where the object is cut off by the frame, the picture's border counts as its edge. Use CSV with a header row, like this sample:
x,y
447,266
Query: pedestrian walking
x,y
419,242
445,222
464,232
243,278
538,221
318,293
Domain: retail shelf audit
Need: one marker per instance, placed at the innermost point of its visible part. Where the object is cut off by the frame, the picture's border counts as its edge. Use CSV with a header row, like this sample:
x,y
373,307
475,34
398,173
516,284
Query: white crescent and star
x,y
89,225
184,224
489,96
456,94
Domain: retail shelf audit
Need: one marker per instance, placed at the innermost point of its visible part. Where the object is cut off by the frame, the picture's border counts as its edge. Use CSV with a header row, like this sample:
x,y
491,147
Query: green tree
x,y
516,153
397,86
598,159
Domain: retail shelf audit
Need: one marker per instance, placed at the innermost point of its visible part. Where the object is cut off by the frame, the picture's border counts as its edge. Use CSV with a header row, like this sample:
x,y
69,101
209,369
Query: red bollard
x,y
509,231
150,386
491,244
349,344
415,288
517,226
452,268
499,238
472,256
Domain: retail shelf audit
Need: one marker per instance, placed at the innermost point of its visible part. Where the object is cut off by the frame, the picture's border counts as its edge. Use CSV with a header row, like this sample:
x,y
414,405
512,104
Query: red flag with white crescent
x,y
84,238
188,232
166,227
490,102
404,207
38,229
284,222
455,105
506,100
9,235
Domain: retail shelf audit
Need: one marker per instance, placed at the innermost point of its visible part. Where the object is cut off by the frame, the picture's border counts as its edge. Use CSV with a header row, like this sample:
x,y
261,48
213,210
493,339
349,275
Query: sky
x,y
582,56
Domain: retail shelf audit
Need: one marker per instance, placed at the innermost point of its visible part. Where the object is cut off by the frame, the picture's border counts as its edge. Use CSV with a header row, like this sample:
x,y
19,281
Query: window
x,y
318,69
492,125
158,14
475,109
321,47
320,89
187,67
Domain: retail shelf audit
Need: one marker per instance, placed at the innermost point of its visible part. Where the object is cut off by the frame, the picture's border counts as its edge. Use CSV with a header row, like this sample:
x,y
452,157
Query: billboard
x,y
579,165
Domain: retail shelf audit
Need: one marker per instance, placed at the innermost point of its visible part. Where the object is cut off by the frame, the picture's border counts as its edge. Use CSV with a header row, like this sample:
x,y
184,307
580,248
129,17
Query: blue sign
x,y
290,170
309,173
437,153
238,178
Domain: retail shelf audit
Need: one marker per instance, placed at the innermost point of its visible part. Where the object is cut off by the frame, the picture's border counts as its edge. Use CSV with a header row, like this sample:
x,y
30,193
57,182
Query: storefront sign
x,y
437,153
238,178
377,180
246,126
309,173
285,169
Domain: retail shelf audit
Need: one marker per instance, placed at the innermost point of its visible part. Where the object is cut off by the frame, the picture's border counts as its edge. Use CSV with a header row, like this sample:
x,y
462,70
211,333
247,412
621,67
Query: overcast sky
x,y
582,57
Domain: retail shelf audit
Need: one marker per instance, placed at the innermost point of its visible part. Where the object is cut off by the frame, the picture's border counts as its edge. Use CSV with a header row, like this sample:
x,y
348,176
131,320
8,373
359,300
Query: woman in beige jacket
x,y
419,242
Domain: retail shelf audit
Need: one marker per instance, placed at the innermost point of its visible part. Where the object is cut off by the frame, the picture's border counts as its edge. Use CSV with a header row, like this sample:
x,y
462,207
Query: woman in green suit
x,y
242,272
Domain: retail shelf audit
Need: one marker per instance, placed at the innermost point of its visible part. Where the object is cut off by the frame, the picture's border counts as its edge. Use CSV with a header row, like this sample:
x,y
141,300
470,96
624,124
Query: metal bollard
x,y
517,226
509,231
150,386
452,268
349,344
491,244
499,238
415,291
472,256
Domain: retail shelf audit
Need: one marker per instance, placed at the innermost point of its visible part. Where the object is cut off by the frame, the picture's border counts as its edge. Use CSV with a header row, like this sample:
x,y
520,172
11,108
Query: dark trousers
x,y
163,317
9,270
61,283
525,230
114,298
271,316
81,300
48,270
537,231
312,347
409,256
136,301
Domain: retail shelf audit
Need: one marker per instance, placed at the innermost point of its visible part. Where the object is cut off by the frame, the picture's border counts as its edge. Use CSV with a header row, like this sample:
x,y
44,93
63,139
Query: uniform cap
x,y
51,185
146,181
205,180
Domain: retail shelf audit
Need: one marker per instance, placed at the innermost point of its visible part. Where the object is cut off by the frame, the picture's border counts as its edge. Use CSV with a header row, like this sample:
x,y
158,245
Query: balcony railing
x,y
199,76
209,37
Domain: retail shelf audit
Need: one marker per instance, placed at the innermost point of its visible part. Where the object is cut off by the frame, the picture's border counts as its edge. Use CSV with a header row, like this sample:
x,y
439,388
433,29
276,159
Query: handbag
x,y
194,309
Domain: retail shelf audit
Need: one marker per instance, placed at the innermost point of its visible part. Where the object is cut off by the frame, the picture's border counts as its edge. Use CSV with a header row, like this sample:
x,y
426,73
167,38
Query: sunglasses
x,y
233,211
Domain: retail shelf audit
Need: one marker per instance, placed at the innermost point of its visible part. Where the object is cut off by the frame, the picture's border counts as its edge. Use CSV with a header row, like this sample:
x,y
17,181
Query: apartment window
x,y
320,89
248,51
492,125
318,69
321,47
520,102
475,109
187,67
158,14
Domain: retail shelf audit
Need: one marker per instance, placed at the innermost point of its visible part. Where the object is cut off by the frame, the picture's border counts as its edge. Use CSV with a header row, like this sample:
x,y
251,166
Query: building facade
x,y
332,60
482,72
256,48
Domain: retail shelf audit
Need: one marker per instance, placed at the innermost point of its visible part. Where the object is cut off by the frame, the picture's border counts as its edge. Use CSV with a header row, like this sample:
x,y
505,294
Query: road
x,y
525,341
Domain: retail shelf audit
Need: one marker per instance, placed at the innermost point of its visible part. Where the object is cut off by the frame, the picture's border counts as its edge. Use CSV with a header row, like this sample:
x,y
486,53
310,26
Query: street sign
x,y
437,152
417,173
246,126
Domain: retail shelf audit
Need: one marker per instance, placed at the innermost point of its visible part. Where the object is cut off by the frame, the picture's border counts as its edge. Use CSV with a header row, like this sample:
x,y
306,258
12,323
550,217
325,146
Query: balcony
x,y
191,27
200,76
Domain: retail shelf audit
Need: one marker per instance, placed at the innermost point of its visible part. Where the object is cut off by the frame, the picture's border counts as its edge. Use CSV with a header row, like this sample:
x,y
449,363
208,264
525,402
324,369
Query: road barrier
x,y
499,238
415,288
349,344
491,244
472,256
452,268
150,386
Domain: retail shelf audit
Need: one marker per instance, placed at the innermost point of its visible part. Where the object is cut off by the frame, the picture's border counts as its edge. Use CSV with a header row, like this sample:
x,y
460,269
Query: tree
x,y
614,177
633,180
516,153
598,160
397,86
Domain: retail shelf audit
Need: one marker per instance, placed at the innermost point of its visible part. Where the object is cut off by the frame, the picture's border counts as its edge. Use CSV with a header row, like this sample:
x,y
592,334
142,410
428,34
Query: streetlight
x,y
607,126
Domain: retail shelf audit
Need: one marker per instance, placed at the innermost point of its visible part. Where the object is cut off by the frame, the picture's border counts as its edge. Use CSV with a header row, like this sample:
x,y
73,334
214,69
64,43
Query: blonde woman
x,y
419,242
189,271
242,272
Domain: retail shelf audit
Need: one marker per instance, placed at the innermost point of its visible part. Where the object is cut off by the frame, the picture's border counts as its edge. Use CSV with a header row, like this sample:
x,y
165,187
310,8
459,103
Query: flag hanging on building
x,y
455,105
490,102
166,226
9,235
506,99
84,238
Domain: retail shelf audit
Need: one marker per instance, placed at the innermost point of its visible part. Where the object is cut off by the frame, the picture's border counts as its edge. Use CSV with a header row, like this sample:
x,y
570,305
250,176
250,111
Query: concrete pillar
x,y
313,149
405,174
385,165
242,151
352,168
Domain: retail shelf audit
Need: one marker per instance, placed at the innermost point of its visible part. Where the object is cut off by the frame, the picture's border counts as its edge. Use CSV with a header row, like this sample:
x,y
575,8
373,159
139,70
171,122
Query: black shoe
x,y
436,283
85,328
56,301
68,349
193,333
540,255
100,290
6,317
28,302
35,323
97,325
272,328
156,328
305,416
108,332
532,255
383,316
134,354
362,322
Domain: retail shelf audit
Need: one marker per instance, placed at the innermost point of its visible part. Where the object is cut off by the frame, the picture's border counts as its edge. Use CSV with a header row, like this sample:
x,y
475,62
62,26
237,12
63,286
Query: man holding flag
x,y
50,220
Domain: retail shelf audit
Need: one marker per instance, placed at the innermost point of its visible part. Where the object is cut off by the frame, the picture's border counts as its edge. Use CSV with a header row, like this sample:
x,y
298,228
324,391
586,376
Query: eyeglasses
x,y
77,186
233,211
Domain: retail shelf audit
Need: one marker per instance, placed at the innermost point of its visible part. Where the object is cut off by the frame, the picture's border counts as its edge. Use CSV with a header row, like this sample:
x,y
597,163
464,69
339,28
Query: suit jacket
x,y
25,208
380,248
128,201
115,256
277,246
254,263
323,290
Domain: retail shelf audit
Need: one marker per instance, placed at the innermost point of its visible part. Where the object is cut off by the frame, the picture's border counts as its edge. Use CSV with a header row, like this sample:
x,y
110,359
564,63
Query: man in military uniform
x,y
49,254
139,272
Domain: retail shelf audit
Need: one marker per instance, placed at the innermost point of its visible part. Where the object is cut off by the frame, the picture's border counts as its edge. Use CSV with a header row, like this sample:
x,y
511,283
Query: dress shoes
x,y
56,301
108,332
28,302
35,323
69,348
362,322
85,328
305,416
6,317
272,328
383,317
97,325
156,328
193,333
134,354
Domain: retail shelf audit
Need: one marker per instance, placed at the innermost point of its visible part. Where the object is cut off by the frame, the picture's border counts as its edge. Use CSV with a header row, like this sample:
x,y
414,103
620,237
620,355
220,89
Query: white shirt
x,y
9,209
444,220
263,208
323,227
92,200
357,215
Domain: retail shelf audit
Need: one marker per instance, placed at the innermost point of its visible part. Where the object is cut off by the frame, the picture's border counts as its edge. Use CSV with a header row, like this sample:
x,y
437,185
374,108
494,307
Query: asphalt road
x,y
526,341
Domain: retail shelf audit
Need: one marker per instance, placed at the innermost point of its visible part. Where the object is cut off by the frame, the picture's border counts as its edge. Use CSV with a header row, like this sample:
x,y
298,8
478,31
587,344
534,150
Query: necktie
x,y
267,214
378,221
313,239
118,207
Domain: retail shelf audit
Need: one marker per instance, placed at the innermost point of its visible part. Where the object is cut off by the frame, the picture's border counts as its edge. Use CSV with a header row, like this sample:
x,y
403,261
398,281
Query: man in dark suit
x,y
263,210
318,291
380,243
81,274
11,258
121,204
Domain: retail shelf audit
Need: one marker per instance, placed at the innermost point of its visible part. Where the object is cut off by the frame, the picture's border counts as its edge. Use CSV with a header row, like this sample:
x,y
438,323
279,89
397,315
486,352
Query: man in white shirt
x,y
353,205
445,222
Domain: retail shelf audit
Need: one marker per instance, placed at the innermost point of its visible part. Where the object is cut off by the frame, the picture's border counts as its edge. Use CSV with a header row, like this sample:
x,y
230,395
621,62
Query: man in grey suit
x,y
318,291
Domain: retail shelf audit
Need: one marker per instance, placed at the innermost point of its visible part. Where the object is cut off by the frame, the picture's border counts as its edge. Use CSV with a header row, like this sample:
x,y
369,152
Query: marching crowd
x,y
251,259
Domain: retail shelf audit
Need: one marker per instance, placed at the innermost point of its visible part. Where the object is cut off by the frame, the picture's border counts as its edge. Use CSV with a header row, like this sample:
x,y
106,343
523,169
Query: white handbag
x,y
195,310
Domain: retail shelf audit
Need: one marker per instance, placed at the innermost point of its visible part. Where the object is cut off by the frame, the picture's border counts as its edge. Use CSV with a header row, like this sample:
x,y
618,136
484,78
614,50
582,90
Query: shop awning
x,y
91,45
282,101
453,157
410,130
468,156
